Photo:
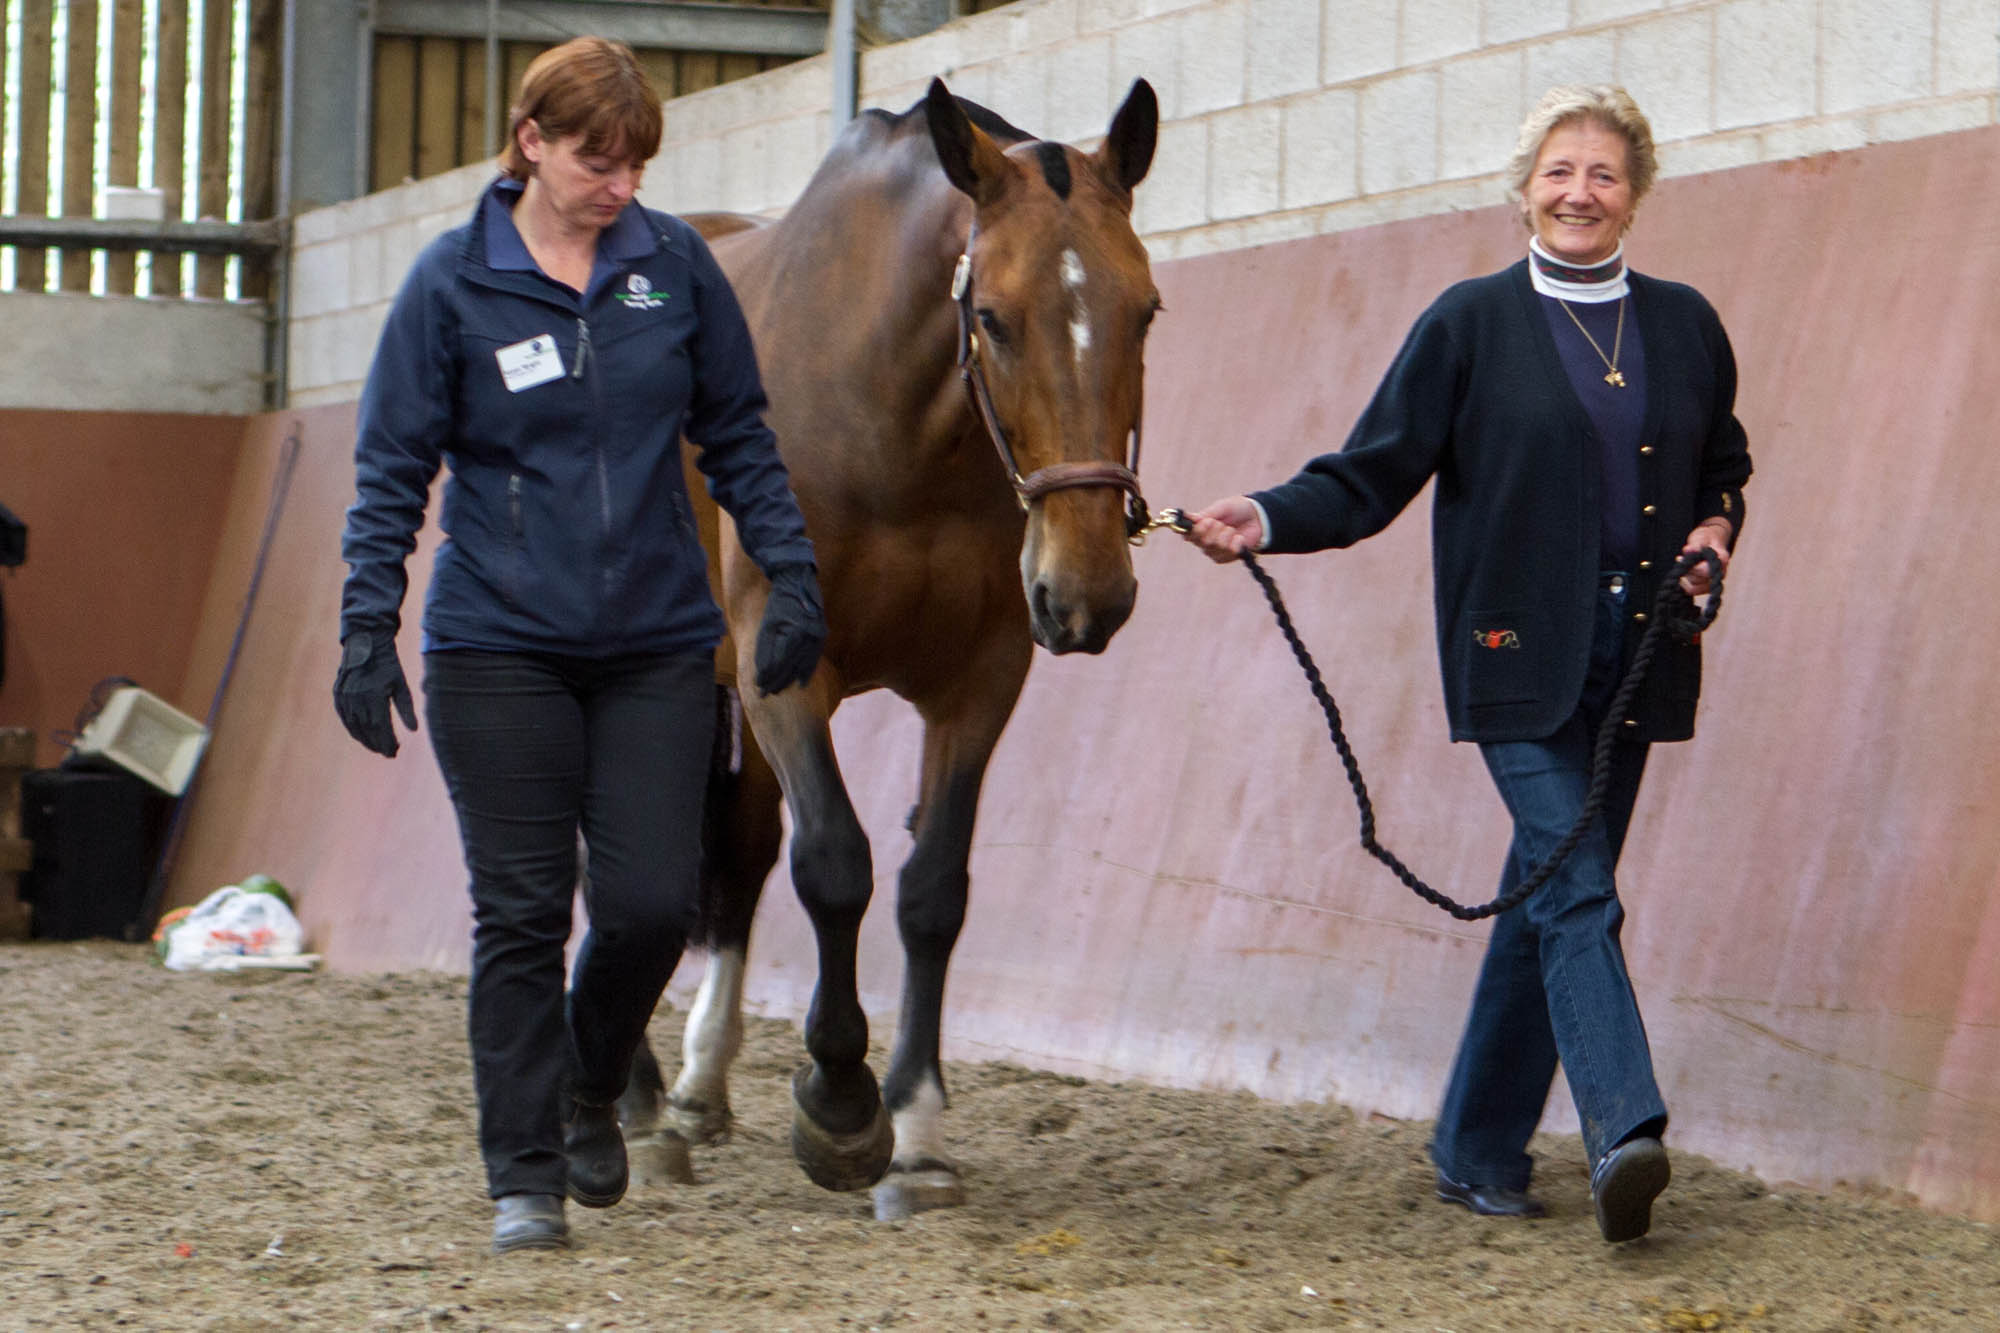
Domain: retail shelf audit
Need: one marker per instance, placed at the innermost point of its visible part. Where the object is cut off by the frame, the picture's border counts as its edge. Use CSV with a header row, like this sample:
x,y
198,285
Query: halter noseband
x,y
1056,476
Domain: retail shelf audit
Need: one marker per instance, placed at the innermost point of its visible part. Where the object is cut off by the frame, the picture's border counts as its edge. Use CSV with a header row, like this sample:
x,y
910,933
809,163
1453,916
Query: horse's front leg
x,y
930,908
841,1135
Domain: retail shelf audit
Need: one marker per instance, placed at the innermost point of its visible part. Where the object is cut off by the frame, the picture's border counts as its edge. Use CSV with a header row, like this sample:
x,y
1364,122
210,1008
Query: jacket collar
x,y
495,243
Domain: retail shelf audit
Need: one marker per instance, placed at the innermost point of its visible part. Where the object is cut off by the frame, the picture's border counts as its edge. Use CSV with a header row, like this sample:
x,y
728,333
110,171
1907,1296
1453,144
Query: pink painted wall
x,y
1166,880
122,511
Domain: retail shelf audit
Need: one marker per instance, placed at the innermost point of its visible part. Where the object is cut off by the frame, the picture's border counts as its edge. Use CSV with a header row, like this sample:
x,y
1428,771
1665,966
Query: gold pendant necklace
x,y
1612,375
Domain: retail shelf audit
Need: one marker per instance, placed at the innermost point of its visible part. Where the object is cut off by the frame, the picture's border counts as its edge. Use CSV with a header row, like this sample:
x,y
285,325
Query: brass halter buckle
x,y
1166,518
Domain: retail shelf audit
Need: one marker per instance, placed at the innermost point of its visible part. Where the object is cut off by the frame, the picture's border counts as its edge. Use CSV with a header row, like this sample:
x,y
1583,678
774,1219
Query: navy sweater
x,y
1478,398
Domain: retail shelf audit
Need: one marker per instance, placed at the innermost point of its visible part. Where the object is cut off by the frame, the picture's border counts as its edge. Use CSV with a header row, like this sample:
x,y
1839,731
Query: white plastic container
x,y
143,734
134,203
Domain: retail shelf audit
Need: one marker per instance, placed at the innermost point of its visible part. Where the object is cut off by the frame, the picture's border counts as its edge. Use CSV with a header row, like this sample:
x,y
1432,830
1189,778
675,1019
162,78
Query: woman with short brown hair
x,y
554,350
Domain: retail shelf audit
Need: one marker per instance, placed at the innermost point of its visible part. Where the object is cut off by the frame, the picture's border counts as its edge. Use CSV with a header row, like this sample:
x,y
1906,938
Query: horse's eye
x,y
991,323
1146,315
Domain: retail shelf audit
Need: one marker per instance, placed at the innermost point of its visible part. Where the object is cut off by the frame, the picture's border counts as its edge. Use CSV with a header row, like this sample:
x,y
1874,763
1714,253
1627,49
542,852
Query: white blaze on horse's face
x,y
1062,291
1079,312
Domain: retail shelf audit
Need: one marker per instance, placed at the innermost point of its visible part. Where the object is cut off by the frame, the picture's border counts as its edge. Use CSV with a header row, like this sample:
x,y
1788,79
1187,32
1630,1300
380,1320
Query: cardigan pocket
x,y
1504,654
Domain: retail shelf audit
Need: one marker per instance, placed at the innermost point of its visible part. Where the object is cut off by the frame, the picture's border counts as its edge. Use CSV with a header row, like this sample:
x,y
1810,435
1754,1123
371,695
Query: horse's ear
x,y
971,160
1128,145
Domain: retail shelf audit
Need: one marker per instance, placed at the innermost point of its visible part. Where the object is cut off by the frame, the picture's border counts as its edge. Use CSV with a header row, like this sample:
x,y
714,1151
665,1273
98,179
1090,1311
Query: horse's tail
x,y
725,769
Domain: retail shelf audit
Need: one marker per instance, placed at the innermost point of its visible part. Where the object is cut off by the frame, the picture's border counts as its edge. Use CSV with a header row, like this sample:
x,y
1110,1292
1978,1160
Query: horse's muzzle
x,y
1065,625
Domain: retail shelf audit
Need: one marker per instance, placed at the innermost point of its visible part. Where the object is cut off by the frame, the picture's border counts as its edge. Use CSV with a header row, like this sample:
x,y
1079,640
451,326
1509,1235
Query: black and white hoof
x,y
835,1159
916,1188
660,1158
698,1106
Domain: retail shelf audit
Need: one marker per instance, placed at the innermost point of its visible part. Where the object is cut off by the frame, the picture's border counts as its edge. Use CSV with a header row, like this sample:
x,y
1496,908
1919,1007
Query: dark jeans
x,y
1553,986
535,750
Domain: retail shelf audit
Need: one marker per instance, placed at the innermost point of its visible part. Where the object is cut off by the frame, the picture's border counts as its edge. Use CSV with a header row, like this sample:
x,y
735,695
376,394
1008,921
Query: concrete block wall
x,y
111,354
1280,118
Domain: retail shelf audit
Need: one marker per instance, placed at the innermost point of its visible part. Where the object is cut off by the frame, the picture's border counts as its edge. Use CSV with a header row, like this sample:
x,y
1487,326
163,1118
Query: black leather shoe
x,y
1624,1184
595,1147
529,1222
1489,1200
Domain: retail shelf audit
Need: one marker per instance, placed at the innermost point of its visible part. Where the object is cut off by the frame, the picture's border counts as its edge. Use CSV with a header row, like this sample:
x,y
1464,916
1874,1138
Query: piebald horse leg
x,y
741,839
930,908
841,1136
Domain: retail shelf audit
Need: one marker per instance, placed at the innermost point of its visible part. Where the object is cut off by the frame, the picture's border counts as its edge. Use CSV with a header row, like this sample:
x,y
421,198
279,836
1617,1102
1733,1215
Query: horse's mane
x,y
990,121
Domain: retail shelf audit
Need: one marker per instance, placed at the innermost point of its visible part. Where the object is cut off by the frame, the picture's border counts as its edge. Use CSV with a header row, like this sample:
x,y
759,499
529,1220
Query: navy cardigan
x,y
1478,398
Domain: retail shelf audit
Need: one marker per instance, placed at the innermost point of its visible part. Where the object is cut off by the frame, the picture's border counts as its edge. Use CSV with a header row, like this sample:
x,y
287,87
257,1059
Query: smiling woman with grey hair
x,y
1605,104
1580,421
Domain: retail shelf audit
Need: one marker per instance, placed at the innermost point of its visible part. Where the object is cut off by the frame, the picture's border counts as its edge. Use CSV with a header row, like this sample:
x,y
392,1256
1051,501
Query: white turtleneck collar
x,y
1603,281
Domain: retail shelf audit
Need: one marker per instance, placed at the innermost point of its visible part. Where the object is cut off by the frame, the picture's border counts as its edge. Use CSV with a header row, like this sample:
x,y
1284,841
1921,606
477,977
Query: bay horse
x,y
954,530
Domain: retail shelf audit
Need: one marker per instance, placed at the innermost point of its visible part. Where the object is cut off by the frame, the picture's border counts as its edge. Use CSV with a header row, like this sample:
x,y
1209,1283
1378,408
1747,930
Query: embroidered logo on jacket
x,y
1496,638
638,293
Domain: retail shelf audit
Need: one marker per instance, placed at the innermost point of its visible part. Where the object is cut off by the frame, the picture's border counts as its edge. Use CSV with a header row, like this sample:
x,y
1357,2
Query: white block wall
x,y
75,352
1280,118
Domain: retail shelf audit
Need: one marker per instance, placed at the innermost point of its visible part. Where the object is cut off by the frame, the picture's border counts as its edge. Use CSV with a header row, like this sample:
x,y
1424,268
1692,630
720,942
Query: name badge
x,y
526,364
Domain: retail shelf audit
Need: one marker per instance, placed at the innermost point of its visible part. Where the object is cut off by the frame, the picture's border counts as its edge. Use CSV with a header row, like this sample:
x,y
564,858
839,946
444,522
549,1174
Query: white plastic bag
x,y
231,928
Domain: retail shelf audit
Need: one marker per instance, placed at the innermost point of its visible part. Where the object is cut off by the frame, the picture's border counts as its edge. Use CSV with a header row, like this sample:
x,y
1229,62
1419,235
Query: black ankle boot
x,y
529,1222
596,1150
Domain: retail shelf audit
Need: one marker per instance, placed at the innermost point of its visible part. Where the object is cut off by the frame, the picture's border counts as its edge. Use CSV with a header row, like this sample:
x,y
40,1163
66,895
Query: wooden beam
x,y
5,27
169,131
212,161
437,106
128,52
662,71
259,149
79,187
37,37
392,157
261,238
471,109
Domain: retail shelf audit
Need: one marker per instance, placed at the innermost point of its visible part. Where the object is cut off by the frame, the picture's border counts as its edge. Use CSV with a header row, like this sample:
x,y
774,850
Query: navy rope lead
x,y
1671,608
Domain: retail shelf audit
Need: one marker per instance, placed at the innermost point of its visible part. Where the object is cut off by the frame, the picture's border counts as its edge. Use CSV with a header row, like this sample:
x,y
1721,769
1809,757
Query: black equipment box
x,y
97,836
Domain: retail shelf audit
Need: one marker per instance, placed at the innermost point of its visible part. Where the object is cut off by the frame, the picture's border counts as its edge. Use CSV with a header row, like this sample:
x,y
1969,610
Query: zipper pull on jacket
x,y
582,348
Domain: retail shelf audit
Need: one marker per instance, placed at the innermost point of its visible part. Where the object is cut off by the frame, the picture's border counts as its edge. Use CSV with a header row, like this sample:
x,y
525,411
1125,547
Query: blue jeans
x,y
1553,986
536,750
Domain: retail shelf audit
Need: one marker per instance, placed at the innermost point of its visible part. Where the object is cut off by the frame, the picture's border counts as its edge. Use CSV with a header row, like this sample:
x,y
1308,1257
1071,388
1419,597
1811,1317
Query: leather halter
x,y
1056,476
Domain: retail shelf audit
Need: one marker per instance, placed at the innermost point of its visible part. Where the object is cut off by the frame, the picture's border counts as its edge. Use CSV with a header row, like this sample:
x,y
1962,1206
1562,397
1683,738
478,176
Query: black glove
x,y
370,679
793,631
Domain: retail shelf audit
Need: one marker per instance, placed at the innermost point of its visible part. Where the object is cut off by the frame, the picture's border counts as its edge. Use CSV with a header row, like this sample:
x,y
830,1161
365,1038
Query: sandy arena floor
x,y
262,1151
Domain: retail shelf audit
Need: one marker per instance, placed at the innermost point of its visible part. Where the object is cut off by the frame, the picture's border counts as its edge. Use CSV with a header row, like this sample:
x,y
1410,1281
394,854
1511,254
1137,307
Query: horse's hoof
x,y
917,1189
835,1161
638,1114
660,1159
700,1121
